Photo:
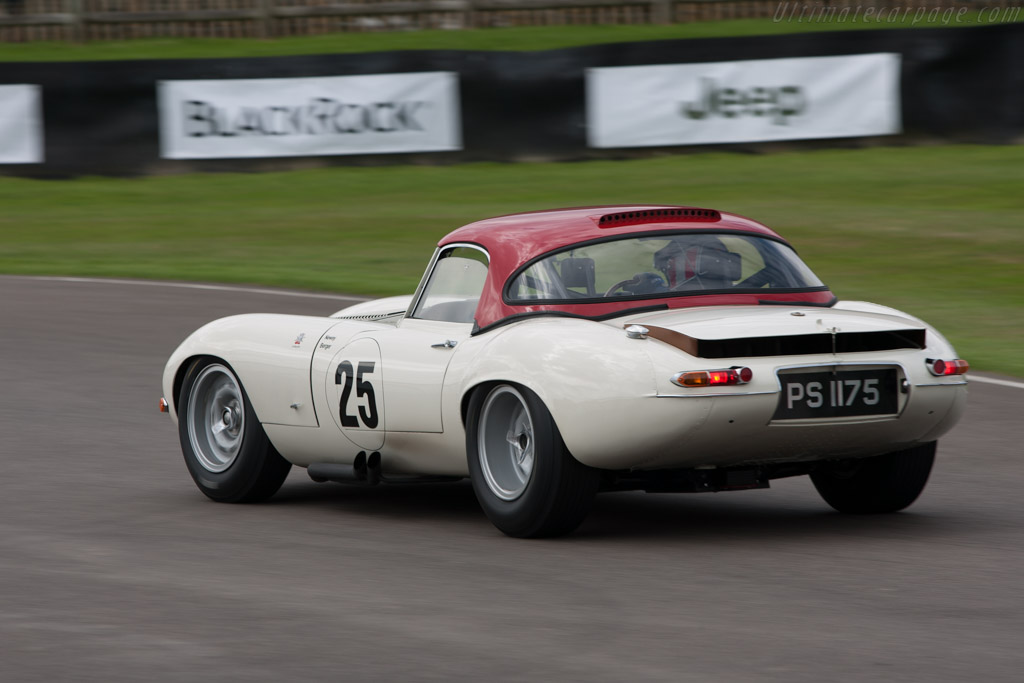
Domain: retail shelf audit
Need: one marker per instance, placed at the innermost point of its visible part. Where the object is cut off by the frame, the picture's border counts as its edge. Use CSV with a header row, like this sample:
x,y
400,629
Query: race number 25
x,y
364,388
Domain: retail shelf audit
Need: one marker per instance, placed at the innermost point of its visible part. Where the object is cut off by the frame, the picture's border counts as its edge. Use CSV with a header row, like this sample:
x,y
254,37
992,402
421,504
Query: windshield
x,y
652,265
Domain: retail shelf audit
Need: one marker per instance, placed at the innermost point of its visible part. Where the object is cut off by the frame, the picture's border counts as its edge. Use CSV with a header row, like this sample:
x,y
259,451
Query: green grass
x,y
526,38
936,231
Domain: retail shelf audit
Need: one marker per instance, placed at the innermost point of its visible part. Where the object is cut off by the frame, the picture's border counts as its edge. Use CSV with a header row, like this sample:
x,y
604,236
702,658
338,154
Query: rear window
x,y
660,265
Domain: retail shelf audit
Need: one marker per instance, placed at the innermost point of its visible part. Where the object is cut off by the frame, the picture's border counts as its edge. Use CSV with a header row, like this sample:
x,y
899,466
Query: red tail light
x,y
713,378
940,367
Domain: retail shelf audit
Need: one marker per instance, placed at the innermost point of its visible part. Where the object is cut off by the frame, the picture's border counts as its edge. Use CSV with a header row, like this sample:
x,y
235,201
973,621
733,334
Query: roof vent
x,y
615,220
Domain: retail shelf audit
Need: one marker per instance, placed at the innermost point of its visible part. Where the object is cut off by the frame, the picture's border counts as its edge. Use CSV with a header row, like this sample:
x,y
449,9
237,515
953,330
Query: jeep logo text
x,y
778,103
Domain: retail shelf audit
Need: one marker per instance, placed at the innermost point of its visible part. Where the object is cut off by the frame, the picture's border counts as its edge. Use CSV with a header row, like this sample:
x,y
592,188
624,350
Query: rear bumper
x,y
718,430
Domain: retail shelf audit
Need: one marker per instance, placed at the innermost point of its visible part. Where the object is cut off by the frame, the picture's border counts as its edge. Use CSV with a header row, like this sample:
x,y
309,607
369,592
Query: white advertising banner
x,y
21,124
744,101
283,117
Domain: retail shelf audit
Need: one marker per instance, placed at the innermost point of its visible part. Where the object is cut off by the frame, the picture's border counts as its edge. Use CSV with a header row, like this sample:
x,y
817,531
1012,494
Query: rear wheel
x,y
226,450
885,483
526,481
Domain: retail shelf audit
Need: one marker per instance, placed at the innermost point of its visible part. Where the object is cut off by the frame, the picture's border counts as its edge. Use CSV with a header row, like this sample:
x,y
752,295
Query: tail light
x,y
941,368
713,378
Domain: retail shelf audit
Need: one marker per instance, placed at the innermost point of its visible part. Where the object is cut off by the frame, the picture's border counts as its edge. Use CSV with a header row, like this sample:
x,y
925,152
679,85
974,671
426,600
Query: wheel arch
x,y
587,374
270,355
485,386
467,396
187,363
245,374
182,370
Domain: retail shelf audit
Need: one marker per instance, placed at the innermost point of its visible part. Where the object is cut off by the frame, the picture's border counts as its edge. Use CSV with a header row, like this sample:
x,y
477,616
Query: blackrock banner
x,y
744,101
21,124
283,117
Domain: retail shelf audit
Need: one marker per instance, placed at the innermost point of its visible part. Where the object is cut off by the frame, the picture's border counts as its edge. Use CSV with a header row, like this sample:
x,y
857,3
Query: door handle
x,y
446,344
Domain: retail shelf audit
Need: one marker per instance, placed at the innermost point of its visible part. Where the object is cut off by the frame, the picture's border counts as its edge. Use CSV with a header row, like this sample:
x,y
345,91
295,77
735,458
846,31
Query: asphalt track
x,y
113,567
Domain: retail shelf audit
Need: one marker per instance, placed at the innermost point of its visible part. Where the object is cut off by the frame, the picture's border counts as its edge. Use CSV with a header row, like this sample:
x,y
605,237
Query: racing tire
x,y
525,479
884,483
226,450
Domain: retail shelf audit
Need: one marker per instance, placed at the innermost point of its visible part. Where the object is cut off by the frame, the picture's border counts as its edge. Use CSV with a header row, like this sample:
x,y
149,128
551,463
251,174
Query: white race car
x,y
552,355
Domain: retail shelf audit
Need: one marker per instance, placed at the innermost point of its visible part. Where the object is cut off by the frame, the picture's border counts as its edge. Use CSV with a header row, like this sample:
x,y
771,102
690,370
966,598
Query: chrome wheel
x,y
216,418
505,443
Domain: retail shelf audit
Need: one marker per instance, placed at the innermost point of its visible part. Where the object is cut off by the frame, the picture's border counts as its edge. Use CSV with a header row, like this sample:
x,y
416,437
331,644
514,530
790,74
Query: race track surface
x,y
114,567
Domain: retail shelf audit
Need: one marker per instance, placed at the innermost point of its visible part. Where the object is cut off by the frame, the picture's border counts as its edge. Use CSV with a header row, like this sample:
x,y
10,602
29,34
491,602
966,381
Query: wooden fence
x,y
88,20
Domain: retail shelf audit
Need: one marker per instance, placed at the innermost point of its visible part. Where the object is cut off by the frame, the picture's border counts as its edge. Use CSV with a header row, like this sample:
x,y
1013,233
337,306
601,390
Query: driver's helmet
x,y
700,256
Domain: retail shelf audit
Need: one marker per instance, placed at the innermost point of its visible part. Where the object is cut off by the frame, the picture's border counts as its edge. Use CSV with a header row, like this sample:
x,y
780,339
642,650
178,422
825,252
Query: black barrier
x,y
958,84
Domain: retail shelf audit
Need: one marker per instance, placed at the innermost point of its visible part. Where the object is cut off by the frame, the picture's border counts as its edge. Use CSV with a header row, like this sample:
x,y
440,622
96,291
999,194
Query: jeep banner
x,y
278,117
21,124
744,101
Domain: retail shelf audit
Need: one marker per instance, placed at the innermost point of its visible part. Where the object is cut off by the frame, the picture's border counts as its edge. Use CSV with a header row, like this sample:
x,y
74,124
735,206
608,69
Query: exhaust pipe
x,y
366,471
356,473
373,476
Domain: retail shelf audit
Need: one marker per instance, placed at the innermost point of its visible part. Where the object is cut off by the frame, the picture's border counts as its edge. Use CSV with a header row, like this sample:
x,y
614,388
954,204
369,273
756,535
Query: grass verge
x,y
524,38
935,231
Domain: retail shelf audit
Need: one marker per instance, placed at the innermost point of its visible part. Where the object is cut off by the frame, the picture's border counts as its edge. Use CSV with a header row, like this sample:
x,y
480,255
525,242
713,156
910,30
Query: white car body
x,y
618,411
383,378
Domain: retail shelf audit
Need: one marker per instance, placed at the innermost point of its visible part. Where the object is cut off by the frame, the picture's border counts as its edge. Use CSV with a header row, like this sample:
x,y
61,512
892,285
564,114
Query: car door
x,y
414,359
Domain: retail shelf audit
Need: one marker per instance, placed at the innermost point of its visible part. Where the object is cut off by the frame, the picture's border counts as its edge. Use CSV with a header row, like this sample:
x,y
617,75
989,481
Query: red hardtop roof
x,y
516,238
513,240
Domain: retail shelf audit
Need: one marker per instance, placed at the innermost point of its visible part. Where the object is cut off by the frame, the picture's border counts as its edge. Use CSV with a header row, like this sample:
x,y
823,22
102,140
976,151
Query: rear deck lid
x,y
750,331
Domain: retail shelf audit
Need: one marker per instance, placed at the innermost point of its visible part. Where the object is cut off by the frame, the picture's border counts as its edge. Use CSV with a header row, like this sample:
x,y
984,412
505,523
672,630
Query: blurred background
x,y
324,147
236,140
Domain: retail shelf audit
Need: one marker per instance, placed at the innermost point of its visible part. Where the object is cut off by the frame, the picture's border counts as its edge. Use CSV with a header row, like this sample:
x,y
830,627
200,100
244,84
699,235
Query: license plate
x,y
837,394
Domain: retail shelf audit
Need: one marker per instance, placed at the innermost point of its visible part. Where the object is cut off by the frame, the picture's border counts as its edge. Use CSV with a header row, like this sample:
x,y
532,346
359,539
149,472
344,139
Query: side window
x,y
453,290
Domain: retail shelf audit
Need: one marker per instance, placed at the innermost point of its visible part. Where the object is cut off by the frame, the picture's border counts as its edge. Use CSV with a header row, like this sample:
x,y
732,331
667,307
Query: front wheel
x,y
226,450
884,483
526,481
